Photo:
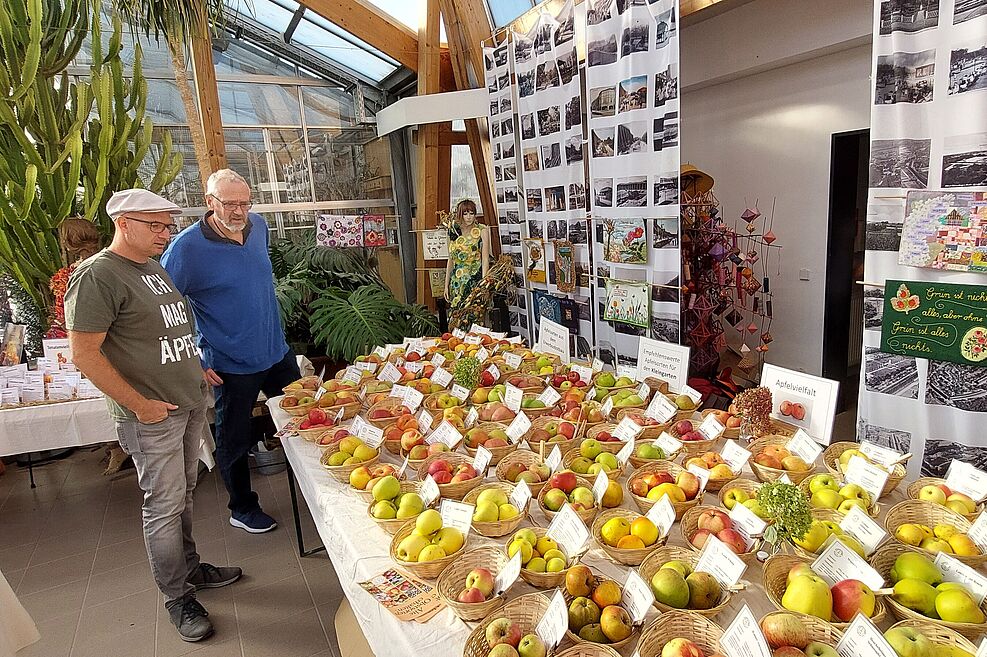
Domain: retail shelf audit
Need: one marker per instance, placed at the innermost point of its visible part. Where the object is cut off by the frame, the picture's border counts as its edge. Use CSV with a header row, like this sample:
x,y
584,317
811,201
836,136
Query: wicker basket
x,y
429,569
536,389
819,630
931,514
766,474
627,557
690,525
299,410
692,448
746,485
686,414
459,489
615,410
452,581
586,649
311,435
526,611
831,459
575,638
564,446
612,446
873,511
595,383
934,631
391,403
479,409
728,432
649,432
574,454
532,413
913,490
526,458
350,410
392,525
644,504
586,515
431,402
341,473
496,528
677,624
545,580
497,454
775,580
663,555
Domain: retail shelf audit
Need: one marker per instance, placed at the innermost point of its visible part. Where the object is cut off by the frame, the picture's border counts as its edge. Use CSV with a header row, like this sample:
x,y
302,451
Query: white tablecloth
x,y
17,630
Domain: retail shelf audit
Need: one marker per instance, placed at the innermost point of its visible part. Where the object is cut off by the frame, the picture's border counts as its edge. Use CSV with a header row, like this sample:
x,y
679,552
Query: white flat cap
x,y
138,200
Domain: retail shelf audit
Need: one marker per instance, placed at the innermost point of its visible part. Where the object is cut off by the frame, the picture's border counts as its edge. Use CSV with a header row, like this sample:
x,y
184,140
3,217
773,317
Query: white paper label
x,y
414,366
459,392
459,333
506,578
644,391
552,626
554,338
719,561
494,371
668,443
863,639
549,396
600,485
512,397
569,531
785,479
664,361
458,515
597,365
319,392
520,495
838,562
743,637
10,396
866,475
661,409
860,526
692,393
425,420
396,391
471,417
585,373
879,454
982,650
964,478
978,531
554,459
445,433
32,393
438,359
371,435
429,490
702,473
625,452
607,406
711,428
403,468
442,377
748,524
735,456
290,427
663,515
352,374
627,370
636,597
954,570
473,339
803,446
518,427
482,355
389,373
412,399
513,361
627,429
59,391
482,460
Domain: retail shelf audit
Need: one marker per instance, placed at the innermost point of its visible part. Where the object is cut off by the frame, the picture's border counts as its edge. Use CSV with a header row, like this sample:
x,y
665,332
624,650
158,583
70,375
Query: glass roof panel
x,y
409,13
267,13
343,51
505,11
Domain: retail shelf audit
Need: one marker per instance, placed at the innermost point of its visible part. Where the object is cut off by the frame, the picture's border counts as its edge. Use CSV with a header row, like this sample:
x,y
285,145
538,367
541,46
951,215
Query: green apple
x,y
912,565
810,595
590,448
823,482
384,510
955,606
909,642
387,488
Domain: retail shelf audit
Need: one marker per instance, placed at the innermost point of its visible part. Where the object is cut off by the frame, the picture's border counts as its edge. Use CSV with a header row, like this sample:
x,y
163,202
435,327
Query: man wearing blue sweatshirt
x,y
221,264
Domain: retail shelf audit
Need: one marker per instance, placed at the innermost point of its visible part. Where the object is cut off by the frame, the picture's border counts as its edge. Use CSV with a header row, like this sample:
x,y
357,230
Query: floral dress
x,y
466,256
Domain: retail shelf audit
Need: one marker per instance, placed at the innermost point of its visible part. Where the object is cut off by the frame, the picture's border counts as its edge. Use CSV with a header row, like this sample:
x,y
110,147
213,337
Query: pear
x,y
670,588
912,565
956,606
917,595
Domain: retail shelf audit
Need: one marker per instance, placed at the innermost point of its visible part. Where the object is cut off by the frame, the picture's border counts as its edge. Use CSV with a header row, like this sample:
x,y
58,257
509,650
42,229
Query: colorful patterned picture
x,y
373,230
625,241
628,302
536,263
565,266
945,231
339,231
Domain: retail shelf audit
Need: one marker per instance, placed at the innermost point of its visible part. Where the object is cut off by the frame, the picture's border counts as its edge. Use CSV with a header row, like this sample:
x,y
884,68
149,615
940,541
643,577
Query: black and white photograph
x,y
534,199
492,85
667,84
546,76
488,60
965,164
511,238
494,130
573,113
632,191
551,155
498,174
665,28
602,142
530,158
602,51
573,149
665,327
582,280
555,198
536,228
497,155
556,227
517,260
505,105
504,81
940,453
624,5
666,131
509,151
968,69
905,77
632,137
884,224
567,27
510,195
522,49
964,10
603,192
627,329
543,40
494,108
633,94
500,196
549,120
513,217
960,386
525,84
667,189
665,286
577,198
510,172
665,233
500,55
890,374
909,15
597,11
900,163
528,126
635,38
602,101
894,439
568,66
873,308
507,127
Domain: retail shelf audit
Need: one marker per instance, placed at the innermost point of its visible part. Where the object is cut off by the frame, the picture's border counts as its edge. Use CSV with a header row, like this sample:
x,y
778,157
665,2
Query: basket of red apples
x,y
595,612
526,382
651,482
567,487
416,450
728,419
493,437
603,434
467,585
789,635
701,522
453,473
386,411
770,458
525,466
719,472
693,442
510,630
666,635
565,381
650,427
546,432
315,424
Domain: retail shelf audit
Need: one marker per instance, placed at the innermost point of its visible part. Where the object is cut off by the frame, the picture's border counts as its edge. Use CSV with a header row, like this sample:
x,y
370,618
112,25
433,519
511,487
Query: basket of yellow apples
x,y
346,455
934,489
827,491
396,502
770,459
425,547
544,563
683,588
932,528
494,515
591,459
719,472
837,457
626,536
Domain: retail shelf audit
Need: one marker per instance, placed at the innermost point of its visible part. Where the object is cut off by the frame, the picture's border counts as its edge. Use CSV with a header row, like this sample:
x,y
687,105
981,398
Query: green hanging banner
x,y
938,321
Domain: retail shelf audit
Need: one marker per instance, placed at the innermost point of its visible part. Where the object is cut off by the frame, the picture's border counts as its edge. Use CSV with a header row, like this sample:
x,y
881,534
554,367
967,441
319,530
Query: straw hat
x,y
694,180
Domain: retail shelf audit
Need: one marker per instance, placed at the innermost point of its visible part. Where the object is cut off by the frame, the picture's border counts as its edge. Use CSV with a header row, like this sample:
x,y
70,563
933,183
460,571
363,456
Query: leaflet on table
x,y
442,378
838,562
743,637
458,515
57,349
661,409
868,476
668,443
721,562
624,455
513,360
664,361
482,460
459,392
429,490
628,371
552,626
60,391
407,598
627,429
10,396
568,530
863,639
508,575
978,531
734,455
445,433
662,513
518,427
520,495
554,459
554,339
878,454
389,373
600,485
414,366
585,373
803,446
961,477
801,399
711,428
471,417
549,396
701,473
636,597
954,570
513,397
749,525
290,427
860,526
606,406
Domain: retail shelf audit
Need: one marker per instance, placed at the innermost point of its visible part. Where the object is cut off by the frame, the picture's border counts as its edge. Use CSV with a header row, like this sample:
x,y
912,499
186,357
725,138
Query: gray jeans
x,y
166,455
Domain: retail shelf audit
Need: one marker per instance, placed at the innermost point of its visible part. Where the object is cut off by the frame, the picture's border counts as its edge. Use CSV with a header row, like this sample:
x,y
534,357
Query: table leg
x,y
302,552
30,470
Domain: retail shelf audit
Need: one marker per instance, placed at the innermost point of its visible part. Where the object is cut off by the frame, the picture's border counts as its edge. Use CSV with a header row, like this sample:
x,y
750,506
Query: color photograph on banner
x,y
918,393
628,302
632,108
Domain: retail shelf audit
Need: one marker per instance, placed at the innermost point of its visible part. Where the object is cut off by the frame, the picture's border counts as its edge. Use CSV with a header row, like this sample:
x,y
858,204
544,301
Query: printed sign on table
x,y
806,401
665,361
554,338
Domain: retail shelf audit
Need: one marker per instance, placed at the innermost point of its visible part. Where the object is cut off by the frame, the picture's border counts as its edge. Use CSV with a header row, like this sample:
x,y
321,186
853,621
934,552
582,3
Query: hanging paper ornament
x,y
751,285
766,337
752,328
769,237
736,259
751,228
750,215
734,318
718,251
752,256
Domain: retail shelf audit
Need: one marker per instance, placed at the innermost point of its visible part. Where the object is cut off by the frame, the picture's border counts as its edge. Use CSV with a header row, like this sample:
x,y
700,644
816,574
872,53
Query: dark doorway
x,y
843,323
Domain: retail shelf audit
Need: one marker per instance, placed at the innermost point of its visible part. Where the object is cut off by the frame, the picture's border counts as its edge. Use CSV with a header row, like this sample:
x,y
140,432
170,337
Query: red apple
x,y
682,427
698,539
689,483
471,595
851,596
784,630
566,481
714,520
733,540
439,465
442,477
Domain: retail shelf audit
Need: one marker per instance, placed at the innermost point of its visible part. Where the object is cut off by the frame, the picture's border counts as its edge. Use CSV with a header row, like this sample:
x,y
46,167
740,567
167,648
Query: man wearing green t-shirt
x,y
131,333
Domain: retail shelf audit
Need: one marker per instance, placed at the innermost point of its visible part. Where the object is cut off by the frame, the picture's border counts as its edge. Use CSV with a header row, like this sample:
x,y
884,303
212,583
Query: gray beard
x,y
230,227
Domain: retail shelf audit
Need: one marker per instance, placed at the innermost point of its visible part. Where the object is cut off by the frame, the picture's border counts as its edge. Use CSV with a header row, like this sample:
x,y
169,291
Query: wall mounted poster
x,y
632,109
941,321
927,133
536,263
435,244
628,302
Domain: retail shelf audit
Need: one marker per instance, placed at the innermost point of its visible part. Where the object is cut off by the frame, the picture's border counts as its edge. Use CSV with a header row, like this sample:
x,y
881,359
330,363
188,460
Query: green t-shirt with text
x,y
150,338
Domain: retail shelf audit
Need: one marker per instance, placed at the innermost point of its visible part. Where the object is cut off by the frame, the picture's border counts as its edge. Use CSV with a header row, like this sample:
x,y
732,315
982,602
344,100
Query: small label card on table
x,y
552,626
668,443
692,393
429,490
513,361
403,468
624,455
549,396
389,373
964,478
711,428
569,531
721,562
482,460
518,427
627,430
443,378
663,515
457,514
520,495
735,455
438,359
701,473
636,597
803,446
513,397
425,420
482,355
743,637
661,409
626,371
506,578
868,476
879,454
585,373
863,639
445,433
459,392
838,562
494,371
600,486
860,526
353,375
471,417
554,459
954,570
747,523
978,531
606,406
371,435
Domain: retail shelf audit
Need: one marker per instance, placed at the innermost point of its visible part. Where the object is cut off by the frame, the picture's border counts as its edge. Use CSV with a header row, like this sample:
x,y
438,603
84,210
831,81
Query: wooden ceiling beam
x,y
207,97
368,23
427,188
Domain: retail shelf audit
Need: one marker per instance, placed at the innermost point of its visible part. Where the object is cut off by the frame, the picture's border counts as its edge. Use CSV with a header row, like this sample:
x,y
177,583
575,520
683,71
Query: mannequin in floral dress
x,y
469,253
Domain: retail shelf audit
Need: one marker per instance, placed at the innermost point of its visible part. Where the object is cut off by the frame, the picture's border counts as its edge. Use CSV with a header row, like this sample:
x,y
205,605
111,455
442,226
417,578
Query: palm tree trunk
x,y
194,120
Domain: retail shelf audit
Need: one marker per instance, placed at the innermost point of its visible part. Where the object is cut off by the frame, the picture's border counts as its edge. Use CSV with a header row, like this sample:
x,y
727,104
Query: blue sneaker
x,y
255,522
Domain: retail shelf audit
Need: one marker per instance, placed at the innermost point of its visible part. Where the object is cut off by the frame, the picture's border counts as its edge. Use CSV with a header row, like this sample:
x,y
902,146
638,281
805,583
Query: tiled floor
x,y
72,550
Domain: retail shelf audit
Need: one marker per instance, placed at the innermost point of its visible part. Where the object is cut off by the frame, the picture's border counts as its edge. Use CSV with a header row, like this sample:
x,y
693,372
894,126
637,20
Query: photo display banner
x,y
632,109
500,123
925,227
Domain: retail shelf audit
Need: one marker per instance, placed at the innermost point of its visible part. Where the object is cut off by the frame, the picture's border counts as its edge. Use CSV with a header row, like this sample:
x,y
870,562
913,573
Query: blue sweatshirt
x,y
231,290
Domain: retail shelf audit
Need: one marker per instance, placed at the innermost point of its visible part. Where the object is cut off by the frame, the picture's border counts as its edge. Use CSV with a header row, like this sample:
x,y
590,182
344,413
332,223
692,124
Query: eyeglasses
x,y
156,227
230,206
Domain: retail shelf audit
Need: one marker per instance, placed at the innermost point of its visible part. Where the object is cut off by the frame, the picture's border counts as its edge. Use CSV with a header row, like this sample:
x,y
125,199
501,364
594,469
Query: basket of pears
x,y
395,503
933,528
677,585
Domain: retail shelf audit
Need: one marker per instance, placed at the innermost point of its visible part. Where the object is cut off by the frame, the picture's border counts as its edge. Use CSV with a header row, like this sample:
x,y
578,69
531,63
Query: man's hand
x,y
211,377
153,411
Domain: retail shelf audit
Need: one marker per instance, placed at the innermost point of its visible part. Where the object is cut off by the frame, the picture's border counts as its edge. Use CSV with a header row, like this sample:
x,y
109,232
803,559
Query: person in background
x,y
221,264
131,334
